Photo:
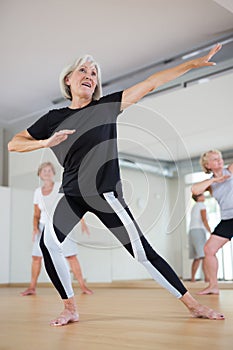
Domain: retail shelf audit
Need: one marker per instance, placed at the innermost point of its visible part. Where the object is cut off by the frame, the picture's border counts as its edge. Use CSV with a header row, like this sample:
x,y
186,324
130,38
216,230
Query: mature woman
x,y
45,200
220,186
83,136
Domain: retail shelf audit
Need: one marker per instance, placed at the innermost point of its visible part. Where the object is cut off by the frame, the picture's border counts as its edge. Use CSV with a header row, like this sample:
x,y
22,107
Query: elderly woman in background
x,y
220,186
45,200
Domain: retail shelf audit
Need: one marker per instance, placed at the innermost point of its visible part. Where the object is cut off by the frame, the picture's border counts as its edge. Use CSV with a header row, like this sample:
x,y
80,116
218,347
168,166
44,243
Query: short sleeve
x,y
40,129
36,197
114,97
202,206
115,100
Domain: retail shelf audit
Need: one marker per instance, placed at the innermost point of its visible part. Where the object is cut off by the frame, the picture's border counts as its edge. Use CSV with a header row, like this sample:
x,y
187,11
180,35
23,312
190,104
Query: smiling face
x,y
83,81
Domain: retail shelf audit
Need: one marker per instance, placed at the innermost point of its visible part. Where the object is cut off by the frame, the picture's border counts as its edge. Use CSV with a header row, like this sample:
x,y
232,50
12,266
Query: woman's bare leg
x,y
212,246
205,271
195,265
76,269
198,310
35,272
68,315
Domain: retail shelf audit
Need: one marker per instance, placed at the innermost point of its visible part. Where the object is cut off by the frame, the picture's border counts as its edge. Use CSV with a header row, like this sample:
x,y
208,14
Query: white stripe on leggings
x,y
59,261
137,246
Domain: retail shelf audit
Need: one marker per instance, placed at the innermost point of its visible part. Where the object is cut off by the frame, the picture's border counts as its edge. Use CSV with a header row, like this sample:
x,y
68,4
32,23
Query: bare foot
x,y
209,290
29,291
64,318
87,291
202,311
198,310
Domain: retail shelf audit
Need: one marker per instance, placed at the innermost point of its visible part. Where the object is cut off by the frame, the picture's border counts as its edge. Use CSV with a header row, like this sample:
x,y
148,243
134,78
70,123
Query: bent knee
x,y
210,250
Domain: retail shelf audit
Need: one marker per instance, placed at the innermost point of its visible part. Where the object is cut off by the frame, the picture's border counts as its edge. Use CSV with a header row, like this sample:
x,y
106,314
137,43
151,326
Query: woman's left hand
x,y
205,60
222,178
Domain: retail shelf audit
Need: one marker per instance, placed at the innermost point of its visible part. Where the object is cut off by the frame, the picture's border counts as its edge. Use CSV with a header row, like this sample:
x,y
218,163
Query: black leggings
x,y
116,216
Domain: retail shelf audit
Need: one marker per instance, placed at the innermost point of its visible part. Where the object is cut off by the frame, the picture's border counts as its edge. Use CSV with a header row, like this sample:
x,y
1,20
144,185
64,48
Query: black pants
x,y
116,216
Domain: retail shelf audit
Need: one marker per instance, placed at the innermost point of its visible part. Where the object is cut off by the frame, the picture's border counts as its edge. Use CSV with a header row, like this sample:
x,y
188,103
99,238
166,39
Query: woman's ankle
x,y
70,305
188,300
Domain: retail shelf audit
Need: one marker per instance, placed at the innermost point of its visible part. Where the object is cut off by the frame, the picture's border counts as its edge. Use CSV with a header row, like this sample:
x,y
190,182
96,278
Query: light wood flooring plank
x,y
117,318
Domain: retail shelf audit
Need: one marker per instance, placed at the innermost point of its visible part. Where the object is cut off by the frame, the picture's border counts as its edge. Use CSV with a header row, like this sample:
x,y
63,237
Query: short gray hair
x,y
65,89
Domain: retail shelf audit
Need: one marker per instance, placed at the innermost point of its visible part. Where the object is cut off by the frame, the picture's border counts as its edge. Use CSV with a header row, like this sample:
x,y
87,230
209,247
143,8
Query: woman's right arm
x,y
204,220
36,221
203,186
24,142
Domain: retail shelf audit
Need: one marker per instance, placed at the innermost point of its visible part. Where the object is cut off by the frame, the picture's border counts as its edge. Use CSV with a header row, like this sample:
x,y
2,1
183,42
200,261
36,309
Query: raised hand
x,y
205,60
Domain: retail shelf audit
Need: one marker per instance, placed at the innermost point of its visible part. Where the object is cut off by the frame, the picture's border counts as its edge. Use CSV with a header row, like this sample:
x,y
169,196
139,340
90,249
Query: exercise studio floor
x,y
127,315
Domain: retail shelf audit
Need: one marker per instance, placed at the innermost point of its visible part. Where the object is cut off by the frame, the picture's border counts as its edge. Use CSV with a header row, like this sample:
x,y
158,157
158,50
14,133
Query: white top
x,y
47,204
196,220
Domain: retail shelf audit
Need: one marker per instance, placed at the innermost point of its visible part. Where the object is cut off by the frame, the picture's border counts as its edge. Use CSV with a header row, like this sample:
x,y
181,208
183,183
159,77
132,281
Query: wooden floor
x,y
119,316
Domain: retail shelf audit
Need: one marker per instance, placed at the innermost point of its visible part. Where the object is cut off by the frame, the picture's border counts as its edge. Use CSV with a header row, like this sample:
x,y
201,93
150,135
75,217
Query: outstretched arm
x,y
202,186
136,92
24,142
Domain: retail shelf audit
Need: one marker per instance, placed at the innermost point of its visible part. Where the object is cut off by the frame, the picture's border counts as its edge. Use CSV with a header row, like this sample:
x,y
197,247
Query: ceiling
x,y
38,38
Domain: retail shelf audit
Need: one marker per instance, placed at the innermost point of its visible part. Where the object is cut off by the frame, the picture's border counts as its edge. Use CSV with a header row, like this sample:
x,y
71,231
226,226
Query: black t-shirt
x,y
90,155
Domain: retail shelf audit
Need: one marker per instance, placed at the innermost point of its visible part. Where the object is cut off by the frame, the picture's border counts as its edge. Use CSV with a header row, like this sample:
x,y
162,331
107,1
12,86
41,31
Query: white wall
x,y
5,234
21,237
1,155
102,258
